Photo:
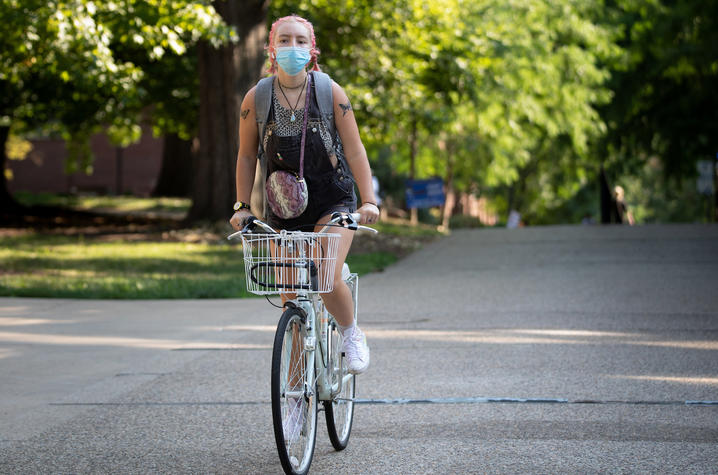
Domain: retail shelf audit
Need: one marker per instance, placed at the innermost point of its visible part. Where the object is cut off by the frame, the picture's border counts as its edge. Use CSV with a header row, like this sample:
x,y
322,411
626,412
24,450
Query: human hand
x,y
239,219
369,213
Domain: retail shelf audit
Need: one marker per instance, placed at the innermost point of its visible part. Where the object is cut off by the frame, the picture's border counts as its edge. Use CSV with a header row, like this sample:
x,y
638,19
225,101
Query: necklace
x,y
293,109
293,87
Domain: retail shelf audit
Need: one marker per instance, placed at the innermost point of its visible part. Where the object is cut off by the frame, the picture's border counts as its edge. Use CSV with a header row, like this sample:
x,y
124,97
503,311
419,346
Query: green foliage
x,y
492,89
665,103
370,262
681,203
73,67
520,101
17,148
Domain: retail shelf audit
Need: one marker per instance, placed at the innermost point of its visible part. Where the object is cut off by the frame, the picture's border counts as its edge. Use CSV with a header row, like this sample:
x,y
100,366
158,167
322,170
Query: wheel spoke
x,y
339,412
294,404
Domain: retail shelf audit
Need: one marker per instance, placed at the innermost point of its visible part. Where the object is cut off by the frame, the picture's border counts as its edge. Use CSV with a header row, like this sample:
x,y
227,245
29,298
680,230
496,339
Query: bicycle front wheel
x,y
339,412
294,397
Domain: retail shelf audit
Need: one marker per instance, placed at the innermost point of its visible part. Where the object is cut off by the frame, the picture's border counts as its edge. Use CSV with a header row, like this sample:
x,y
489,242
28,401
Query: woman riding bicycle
x,y
292,47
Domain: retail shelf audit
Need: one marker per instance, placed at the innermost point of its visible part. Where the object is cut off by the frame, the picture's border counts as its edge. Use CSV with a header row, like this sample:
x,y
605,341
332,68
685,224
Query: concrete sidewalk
x,y
541,350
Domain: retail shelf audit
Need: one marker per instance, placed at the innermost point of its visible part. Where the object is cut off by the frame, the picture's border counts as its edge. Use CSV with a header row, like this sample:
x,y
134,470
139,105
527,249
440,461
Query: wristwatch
x,y
241,205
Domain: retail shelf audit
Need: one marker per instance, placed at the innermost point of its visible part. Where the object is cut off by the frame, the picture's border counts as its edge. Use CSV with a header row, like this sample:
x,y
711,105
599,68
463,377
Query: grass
x,y
105,203
73,266
397,227
32,265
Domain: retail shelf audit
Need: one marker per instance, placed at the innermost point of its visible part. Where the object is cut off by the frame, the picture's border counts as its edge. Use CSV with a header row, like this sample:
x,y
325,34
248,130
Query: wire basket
x,y
290,262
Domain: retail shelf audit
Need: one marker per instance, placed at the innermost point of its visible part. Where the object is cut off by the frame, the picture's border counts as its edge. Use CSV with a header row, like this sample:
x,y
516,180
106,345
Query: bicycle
x,y
307,360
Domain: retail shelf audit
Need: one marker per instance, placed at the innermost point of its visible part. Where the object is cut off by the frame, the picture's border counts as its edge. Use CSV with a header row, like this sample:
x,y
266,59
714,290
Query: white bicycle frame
x,y
328,385
310,303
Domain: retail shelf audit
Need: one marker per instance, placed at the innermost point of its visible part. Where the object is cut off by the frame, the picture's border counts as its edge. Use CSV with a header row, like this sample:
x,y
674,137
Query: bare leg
x,y
339,301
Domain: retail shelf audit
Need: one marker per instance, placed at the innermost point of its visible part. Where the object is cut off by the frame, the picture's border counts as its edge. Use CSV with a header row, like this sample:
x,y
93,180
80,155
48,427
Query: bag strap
x,y
304,126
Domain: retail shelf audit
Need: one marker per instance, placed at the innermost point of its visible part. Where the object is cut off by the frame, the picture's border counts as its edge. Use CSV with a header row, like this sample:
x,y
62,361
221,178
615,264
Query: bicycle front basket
x,y
289,262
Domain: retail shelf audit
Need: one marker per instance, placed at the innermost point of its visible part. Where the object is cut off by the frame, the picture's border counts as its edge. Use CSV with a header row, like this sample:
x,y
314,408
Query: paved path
x,y
544,350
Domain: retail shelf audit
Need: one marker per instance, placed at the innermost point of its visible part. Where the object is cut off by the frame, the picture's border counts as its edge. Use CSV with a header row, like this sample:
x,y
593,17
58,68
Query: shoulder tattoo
x,y
345,108
245,113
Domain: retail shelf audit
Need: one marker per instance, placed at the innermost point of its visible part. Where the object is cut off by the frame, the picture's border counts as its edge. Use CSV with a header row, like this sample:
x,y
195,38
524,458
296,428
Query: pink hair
x,y
272,49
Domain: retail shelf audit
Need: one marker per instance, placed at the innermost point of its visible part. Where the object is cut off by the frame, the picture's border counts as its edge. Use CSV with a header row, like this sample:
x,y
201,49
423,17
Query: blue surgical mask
x,y
293,59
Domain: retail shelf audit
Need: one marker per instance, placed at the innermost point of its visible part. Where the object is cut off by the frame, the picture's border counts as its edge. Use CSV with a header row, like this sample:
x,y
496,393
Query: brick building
x,y
133,170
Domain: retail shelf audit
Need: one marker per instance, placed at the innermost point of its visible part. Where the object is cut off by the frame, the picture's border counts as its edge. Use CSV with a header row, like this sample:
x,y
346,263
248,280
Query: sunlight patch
x,y
700,380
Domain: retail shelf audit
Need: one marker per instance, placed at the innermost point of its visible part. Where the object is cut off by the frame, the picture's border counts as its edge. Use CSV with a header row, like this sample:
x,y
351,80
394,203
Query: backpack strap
x,y
325,98
262,103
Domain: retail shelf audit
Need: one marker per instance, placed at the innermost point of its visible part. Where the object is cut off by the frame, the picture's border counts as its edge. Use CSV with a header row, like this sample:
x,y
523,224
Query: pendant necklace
x,y
293,118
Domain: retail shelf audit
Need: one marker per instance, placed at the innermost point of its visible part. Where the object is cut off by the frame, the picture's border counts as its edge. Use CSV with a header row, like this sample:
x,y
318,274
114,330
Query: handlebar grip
x,y
349,221
367,228
249,224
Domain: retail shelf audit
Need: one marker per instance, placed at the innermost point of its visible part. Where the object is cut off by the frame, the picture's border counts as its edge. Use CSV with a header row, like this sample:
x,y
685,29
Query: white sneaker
x,y
356,351
292,424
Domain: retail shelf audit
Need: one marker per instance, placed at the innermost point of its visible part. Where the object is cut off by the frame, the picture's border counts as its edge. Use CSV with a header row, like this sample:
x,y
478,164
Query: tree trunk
x,y
414,213
175,177
226,74
606,200
450,201
517,191
8,206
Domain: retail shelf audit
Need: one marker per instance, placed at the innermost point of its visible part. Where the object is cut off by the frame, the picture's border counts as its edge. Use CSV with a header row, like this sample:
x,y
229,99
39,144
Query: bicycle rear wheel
x,y
294,396
339,412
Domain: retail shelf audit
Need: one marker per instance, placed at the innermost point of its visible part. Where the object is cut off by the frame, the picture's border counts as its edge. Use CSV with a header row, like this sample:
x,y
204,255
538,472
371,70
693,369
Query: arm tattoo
x,y
245,113
345,108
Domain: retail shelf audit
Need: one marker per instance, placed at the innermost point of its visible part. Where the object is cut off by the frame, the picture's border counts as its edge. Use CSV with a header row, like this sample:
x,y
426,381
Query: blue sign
x,y
425,193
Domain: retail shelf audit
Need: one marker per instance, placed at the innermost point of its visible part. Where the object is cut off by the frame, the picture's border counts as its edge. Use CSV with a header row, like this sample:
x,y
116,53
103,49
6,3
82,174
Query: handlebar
x,y
345,220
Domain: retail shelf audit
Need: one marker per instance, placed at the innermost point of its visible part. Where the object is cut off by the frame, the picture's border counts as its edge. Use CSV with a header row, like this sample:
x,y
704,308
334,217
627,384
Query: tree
x,y
226,74
66,66
665,88
491,96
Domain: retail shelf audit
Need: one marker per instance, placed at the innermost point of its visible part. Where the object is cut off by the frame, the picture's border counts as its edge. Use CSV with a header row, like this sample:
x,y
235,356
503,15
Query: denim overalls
x,y
330,189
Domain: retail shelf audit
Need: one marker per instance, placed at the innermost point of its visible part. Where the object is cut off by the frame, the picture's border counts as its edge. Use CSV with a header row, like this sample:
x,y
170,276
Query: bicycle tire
x,y
339,412
297,416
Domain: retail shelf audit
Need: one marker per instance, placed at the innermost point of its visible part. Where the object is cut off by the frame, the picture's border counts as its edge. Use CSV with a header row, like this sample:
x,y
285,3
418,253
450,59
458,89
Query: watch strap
x,y
240,205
